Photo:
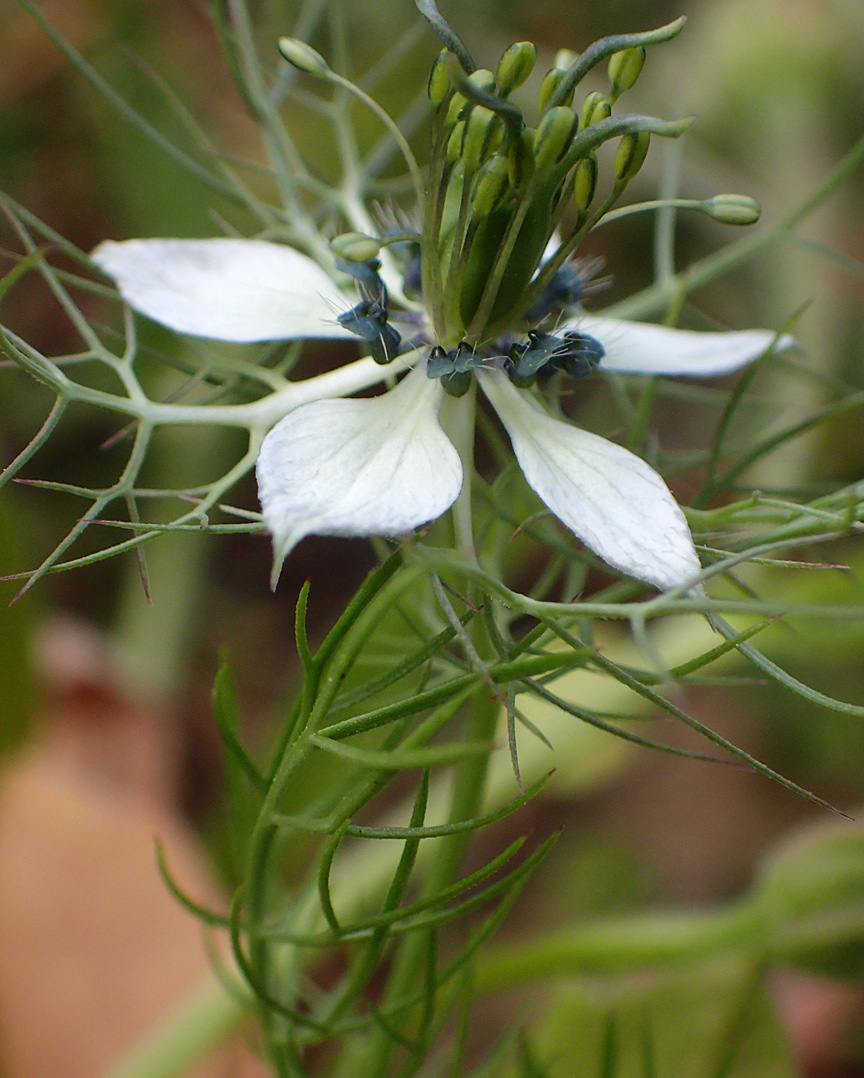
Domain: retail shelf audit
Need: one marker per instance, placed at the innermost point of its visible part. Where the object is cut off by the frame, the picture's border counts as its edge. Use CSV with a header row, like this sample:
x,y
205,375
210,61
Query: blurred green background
x,y
778,89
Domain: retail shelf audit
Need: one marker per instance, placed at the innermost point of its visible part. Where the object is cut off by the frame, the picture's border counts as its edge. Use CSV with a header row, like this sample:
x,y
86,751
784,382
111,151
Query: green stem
x,y
460,423
365,873
467,800
664,224
657,296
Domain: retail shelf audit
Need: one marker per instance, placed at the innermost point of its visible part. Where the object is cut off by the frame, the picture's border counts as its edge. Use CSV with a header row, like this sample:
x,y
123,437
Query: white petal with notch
x,y
607,496
226,289
376,466
642,348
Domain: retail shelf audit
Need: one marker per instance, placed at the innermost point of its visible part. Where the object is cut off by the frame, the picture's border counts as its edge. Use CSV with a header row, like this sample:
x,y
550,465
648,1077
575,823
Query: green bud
x,y
439,86
548,87
457,104
454,143
355,247
595,107
483,79
733,209
515,66
521,153
630,155
554,134
585,182
563,59
490,186
481,137
625,67
303,56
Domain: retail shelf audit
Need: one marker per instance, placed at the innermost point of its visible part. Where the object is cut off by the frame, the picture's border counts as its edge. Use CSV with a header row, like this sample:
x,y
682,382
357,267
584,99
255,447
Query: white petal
x,y
228,289
641,348
379,466
611,499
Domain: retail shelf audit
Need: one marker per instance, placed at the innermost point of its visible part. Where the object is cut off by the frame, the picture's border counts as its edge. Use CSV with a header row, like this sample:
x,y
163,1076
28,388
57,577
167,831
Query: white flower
x,y
375,466
383,465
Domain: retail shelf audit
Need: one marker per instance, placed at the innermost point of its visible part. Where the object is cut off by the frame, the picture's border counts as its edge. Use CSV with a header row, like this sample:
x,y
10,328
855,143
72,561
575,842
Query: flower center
x,y
500,189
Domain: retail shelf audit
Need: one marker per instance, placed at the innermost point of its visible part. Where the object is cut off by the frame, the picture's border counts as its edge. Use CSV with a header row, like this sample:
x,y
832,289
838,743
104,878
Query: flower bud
x,y
554,134
454,109
490,186
548,87
303,56
355,247
630,155
483,79
515,66
563,59
585,182
595,107
439,85
733,209
482,131
454,143
625,67
521,153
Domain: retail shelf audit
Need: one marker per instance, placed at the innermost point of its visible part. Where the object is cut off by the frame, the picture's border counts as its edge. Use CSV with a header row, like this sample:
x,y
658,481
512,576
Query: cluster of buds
x,y
500,189
505,204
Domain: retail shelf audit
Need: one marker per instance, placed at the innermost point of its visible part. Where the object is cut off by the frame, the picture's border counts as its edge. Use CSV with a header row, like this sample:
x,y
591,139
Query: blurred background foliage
x,y
778,88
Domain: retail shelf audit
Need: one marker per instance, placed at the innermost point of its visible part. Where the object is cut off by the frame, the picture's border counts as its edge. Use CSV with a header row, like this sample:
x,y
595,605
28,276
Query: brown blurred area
x,y
109,741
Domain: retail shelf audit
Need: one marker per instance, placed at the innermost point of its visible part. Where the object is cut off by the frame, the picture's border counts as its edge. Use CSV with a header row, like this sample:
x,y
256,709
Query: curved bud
x,y
454,143
454,109
733,209
585,182
521,155
490,186
355,247
548,87
624,69
482,128
439,85
595,108
554,134
303,56
630,155
515,66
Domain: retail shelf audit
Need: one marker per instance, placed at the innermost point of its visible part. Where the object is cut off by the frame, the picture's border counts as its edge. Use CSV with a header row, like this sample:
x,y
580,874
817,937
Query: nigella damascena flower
x,y
383,465
499,291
